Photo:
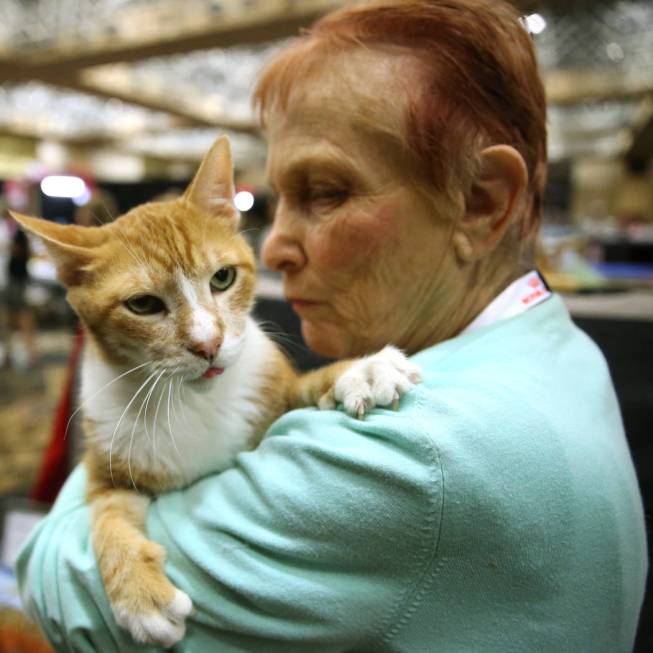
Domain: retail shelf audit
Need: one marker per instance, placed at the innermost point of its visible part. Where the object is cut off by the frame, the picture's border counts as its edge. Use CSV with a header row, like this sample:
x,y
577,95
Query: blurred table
x,y
629,305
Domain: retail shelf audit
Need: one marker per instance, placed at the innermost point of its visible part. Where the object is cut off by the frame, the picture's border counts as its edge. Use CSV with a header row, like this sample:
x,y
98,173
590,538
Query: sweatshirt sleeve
x,y
316,541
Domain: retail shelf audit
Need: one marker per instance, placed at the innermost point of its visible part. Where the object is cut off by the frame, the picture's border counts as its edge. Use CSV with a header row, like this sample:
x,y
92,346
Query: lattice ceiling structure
x,y
161,78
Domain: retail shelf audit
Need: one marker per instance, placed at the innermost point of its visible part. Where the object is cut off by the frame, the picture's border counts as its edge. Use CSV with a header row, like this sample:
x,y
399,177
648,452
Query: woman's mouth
x,y
302,304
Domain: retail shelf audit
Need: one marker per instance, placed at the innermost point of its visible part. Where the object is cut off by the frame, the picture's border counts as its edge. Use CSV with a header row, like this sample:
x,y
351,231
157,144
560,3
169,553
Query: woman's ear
x,y
495,201
70,246
212,188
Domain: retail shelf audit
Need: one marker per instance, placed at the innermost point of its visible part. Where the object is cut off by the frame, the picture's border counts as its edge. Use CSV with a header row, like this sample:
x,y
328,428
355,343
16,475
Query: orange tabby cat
x,y
174,360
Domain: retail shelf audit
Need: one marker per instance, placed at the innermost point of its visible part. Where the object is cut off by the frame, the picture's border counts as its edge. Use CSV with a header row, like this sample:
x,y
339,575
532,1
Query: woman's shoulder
x,y
532,364
527,339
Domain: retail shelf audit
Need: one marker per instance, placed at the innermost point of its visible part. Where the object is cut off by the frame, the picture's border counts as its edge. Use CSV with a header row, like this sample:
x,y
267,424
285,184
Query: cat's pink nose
x,y
207,348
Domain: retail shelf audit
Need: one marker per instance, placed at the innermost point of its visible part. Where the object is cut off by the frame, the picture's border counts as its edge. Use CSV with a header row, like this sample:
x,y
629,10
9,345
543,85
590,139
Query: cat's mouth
x,y
212,372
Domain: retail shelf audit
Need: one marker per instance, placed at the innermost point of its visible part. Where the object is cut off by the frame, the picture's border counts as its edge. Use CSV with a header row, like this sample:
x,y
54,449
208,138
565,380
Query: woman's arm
x,y
313,542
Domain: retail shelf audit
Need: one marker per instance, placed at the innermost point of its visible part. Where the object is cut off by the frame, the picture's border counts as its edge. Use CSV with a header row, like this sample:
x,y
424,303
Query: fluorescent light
x,y
244,200
535,23
84,198
615,51
63,186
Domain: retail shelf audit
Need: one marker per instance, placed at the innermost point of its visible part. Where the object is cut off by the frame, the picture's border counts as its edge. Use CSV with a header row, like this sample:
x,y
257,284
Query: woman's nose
x,y
283,248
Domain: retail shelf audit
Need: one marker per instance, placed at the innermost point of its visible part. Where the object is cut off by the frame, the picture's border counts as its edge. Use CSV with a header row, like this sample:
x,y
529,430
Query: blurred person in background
x,y
5,245
497,510
20,347
101,208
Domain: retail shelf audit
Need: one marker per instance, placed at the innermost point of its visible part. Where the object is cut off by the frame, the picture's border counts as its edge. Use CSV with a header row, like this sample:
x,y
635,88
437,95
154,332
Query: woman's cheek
x,y
356,240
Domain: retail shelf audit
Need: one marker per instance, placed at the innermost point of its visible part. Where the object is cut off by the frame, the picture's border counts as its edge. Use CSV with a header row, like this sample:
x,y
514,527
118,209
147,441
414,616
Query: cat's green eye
x,y
145,305
223,278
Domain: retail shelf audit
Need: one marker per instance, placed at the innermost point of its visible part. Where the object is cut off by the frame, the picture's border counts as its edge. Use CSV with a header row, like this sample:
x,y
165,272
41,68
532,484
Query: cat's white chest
x,y
171,428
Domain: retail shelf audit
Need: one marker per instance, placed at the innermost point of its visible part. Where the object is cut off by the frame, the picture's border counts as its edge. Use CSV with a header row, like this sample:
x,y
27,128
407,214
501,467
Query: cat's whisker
x,y
170,431
279,336
282,338
147,402
180,387
185,399
107,211
181,401
95,394
273,328
246,231
124,412
120,236
240,233
175,414
156,415
138,260
143,408
97,218
133,431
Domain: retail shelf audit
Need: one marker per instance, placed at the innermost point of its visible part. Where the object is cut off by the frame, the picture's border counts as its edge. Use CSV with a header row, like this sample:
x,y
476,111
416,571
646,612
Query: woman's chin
x,y
331,340
325,339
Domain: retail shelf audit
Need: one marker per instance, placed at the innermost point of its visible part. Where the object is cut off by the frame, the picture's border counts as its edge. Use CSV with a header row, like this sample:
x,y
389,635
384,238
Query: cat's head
x,y
168,284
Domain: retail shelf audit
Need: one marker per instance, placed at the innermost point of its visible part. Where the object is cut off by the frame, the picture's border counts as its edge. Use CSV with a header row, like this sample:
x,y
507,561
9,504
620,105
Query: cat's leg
x,y
143,600
316,388
359,385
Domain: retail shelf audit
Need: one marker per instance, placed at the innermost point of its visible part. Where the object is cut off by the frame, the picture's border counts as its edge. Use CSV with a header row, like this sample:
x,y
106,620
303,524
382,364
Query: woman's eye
x,y
145,305
327,196
223,278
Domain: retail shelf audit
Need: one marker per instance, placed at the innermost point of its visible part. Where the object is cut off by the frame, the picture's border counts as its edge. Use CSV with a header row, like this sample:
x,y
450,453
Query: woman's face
x,y
364,256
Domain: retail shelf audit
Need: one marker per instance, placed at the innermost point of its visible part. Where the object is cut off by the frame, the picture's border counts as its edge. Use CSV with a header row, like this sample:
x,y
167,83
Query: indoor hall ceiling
x,y
176,73
106,70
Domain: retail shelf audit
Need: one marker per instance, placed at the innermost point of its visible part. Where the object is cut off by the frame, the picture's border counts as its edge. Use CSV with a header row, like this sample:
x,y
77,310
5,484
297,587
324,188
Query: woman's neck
x,y
467,296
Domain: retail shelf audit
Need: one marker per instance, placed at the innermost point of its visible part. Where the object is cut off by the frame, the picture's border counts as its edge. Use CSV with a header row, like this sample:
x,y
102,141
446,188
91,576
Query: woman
x,y
497,510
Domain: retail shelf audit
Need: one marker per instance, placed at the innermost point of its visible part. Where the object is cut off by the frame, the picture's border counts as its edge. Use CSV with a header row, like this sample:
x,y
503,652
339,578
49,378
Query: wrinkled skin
x,y
366,253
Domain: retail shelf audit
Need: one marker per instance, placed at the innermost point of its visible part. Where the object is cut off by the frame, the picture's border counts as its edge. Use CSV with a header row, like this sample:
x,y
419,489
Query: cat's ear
x,y
70,246
212,189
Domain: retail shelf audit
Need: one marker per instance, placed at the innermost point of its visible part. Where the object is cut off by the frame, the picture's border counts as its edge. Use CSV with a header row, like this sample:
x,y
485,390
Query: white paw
x,y
377,380
164,627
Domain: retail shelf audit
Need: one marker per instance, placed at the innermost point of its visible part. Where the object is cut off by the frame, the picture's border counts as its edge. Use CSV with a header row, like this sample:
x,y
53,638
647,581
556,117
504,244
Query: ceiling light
x,y
63,186
535,23
244,200
615,51
84,198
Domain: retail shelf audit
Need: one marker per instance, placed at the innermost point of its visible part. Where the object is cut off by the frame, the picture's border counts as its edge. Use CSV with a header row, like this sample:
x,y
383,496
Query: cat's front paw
x,y
146,603
377,380
159,625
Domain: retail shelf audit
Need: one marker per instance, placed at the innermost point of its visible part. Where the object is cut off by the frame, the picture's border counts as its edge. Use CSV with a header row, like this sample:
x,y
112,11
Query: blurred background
x,y
105,104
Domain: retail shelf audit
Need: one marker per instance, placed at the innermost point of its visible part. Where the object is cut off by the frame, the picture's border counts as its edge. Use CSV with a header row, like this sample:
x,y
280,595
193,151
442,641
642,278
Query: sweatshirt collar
x,y
522,294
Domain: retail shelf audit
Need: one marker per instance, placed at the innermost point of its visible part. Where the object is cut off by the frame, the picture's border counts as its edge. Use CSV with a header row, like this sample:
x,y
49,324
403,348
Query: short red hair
x,y
479,82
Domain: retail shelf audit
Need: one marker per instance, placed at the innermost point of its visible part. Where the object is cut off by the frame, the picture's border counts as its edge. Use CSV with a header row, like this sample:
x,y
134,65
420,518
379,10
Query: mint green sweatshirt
x,y
496,511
